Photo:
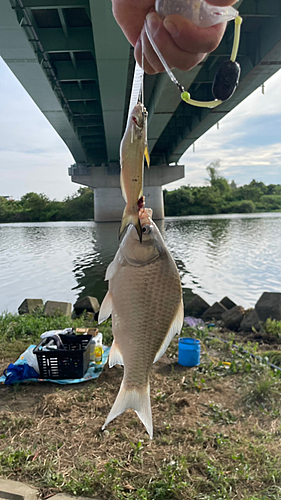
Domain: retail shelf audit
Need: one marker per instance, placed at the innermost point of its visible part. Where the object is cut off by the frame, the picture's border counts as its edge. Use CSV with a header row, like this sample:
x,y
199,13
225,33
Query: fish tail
x,y
130,219
138,400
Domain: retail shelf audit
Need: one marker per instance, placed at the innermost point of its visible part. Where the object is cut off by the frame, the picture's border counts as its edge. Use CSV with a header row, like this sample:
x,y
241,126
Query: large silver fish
x,y
133,148
145,301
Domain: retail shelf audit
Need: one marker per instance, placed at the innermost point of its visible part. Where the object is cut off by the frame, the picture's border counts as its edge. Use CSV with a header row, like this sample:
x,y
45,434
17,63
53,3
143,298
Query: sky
x,y
34,158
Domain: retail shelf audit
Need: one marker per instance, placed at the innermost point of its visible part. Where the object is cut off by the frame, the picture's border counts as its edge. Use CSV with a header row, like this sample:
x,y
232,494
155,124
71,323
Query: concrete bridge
x,y
76,64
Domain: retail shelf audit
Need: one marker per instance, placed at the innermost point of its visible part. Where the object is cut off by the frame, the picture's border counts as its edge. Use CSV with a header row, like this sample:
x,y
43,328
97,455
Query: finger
x,y
146,57
191,38
130,15
173,55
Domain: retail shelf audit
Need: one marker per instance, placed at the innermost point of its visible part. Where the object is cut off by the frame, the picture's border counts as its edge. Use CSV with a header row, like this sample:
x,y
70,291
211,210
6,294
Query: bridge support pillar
x,y
109,203
105,182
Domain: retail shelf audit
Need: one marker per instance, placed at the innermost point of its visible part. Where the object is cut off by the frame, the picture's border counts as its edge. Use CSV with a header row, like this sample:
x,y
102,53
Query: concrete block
x,y
90,304
250,321
196,307
269,306
228,303
232,318
53,308
214,312
14,490
29,305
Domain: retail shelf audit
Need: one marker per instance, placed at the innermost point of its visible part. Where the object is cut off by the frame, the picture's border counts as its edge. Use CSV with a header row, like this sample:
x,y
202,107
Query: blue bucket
x,y
189,352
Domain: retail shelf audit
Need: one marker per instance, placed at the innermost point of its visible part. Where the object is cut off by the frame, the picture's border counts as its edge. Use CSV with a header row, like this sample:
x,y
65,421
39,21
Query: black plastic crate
x,y
68,363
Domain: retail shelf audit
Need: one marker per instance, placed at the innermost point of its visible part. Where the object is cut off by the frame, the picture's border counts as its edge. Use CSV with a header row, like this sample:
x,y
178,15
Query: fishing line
x,y
142,65
225,81
159,55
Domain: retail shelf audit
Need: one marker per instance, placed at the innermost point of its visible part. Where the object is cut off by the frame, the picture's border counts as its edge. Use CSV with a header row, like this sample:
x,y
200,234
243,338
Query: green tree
x,y
80,206
179,202
35,205
217,181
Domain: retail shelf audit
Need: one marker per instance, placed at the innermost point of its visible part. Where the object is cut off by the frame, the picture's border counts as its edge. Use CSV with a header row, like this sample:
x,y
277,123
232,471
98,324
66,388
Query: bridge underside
x,y
76,64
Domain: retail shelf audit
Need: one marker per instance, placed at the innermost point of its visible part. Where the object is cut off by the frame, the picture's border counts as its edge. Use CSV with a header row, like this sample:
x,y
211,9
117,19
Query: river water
x,y
234,255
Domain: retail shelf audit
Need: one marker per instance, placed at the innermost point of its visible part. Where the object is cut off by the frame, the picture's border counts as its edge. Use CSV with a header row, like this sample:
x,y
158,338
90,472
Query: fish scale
x,y
146,334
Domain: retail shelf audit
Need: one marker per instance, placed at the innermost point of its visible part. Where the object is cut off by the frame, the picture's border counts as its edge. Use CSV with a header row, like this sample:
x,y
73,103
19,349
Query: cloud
x,y
32,155
248,142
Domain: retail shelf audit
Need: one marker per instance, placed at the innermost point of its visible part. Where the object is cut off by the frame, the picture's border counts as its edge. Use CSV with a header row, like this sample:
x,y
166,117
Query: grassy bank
x,y
217,427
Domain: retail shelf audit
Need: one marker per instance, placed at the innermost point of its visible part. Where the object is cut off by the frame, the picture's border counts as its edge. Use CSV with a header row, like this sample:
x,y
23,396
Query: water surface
x,y
234,255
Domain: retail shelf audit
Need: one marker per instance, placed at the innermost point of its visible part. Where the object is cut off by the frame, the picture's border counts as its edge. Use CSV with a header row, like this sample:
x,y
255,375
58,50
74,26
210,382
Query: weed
x,y
136,451
273,357
263,390
169,480
273,327
218,414
13,459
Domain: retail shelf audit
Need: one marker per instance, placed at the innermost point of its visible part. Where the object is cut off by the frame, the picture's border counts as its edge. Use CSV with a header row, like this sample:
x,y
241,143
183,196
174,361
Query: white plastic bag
x,y
198,12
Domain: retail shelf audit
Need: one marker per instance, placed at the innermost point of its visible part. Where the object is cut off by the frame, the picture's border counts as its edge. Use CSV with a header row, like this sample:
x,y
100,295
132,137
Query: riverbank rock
x,y
228,303
89,304
28,306
233,317
196,307
269,306
187,295
214,312
54,308
250,321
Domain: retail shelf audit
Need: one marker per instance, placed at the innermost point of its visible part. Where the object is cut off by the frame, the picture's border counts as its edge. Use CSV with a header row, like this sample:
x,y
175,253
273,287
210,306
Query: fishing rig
x,y
204,15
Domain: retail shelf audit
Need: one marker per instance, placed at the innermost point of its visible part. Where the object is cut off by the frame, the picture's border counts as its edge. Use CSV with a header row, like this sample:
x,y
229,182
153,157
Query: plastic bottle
x,y
92,349
98,349
198,12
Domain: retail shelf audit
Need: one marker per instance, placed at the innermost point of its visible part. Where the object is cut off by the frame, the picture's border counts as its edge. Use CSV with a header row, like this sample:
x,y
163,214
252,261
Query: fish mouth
x,y
136,122
142,114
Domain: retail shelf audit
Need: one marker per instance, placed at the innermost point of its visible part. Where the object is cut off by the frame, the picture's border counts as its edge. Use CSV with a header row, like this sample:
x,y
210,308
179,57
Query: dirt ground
x,y
51,434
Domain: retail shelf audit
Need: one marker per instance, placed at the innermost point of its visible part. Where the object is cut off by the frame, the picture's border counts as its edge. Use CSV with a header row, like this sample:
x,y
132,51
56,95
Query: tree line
x,y
33,207
217,197
222,197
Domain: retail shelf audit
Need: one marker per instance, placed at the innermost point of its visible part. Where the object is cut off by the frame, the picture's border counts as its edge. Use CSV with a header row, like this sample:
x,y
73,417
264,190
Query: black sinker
x,y
226,80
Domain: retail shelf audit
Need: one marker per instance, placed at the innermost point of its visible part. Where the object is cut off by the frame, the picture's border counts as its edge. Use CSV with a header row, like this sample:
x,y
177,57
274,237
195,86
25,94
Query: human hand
x,y
182,44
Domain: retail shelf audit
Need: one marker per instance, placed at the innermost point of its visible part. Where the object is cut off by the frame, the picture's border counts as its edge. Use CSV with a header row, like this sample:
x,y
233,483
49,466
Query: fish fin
x,y
106,308
115,356
130,219
114,266
175,328
122,184
147,157
138,400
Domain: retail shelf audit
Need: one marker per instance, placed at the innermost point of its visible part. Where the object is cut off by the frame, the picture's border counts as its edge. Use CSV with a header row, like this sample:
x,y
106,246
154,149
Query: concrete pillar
x,y
105,182
109,204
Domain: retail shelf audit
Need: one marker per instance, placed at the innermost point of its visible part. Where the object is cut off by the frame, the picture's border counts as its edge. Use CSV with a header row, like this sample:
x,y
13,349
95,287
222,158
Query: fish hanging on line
x,y
133,148
145,301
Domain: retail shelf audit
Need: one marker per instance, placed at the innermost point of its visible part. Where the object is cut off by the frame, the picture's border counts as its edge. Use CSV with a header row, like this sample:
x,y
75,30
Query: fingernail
x,y
152,21
171,28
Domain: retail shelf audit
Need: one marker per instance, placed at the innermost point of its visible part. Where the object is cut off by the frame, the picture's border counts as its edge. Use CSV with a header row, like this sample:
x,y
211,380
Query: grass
x,y
217,427
17,332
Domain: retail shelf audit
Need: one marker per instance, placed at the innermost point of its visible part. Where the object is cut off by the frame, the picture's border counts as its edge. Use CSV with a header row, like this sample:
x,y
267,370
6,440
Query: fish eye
x,y
146,229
